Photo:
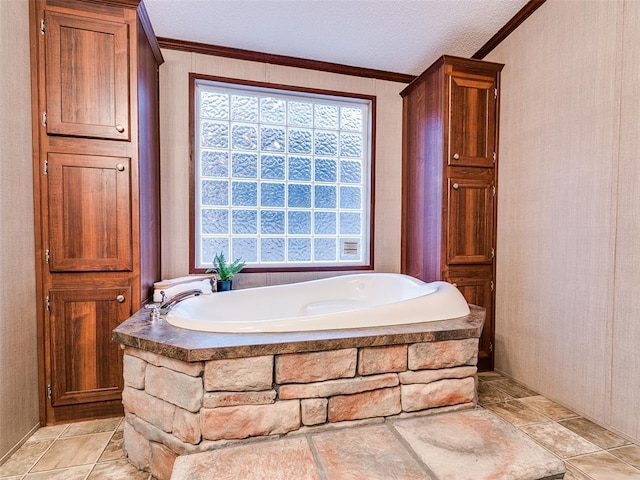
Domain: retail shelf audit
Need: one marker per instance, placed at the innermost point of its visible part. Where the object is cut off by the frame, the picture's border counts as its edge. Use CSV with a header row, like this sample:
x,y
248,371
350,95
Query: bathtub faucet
x,y
168,304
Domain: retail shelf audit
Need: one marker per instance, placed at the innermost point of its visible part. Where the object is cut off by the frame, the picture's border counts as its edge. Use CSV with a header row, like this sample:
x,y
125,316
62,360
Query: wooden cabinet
x,y
472,119
476,284
89,213
96,190
469,220
85,363
87,71
450,131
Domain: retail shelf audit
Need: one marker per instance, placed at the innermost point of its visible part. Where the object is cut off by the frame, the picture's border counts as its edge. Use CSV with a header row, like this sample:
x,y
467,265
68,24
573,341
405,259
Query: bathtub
x,y
202,390
344,302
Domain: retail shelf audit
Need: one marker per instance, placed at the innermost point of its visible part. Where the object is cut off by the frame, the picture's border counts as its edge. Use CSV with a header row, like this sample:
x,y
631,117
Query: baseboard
x,y
612,429
6,456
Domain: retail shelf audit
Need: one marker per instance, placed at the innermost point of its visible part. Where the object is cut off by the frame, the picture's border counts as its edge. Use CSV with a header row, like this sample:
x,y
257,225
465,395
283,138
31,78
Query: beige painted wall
x,y
18,360
567,316
174,132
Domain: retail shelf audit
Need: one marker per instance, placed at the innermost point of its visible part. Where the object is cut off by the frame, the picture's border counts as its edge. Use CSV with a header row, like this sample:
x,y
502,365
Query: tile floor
x,y
462,445
93,450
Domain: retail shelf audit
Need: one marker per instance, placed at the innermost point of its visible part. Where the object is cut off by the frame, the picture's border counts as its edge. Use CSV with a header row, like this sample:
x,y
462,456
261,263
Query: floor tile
x,y
372,453
477,445
72,451
512,388
25,457
118,470
630,454
46,433
487,393
604,466
573,473
72,473
289,459
92,426
114,449
548,408
516,412
594,433
559,440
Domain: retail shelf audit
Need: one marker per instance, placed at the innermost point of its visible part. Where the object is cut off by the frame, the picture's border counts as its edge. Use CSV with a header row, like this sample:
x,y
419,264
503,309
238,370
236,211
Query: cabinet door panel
x,y
89,213
478,291
86,366
470,221
472,113
87,77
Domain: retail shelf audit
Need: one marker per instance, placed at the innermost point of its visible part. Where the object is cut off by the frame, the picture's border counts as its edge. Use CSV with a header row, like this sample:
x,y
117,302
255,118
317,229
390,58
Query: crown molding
x,y
524,13
283,60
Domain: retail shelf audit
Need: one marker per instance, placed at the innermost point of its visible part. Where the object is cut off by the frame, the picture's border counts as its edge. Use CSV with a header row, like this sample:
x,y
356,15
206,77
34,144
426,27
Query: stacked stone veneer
x,y
174,407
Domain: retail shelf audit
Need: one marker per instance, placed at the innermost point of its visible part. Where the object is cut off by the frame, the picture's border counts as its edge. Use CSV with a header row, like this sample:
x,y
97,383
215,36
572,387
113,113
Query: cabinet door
x,y
469,227
478,291
89,213
472,121
86,365
87,77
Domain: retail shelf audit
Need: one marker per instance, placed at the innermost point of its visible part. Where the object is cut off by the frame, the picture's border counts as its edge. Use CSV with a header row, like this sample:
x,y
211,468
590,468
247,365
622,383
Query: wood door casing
x,y
89,213
87,77
472,120
86,366
470,225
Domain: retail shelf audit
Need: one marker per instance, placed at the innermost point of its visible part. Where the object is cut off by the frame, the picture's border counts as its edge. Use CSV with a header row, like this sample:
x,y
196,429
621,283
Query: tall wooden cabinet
x,y
96,190
450,154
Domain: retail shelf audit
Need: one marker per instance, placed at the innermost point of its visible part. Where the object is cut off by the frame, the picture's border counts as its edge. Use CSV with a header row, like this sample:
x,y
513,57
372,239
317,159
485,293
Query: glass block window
x,y
282,177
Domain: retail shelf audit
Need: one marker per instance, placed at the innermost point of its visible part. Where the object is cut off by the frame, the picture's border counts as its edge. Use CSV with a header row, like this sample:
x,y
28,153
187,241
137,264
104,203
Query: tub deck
x,y
188,392
191,346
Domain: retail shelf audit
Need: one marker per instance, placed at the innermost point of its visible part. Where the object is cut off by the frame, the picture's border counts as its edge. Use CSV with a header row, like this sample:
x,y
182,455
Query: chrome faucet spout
x,y
173,301
167,305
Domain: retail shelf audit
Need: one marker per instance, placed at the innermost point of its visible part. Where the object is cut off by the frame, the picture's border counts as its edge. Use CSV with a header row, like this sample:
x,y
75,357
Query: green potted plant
x,y
225,271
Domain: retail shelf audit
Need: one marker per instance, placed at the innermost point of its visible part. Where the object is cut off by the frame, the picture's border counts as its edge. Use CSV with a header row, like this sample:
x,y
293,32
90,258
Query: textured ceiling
x,y
403,36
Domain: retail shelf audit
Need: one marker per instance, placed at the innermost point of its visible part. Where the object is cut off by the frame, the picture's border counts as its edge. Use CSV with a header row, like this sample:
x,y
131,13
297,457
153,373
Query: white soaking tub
x,y
343,302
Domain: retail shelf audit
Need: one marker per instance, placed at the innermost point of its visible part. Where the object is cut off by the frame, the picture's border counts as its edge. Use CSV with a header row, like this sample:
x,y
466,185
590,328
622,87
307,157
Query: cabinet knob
x,y
119,128
120,167
456,156
455,186
120,299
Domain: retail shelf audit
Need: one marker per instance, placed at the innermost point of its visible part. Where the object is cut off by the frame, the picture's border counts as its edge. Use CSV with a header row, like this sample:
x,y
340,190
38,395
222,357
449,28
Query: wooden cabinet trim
x,y
112,10
452,63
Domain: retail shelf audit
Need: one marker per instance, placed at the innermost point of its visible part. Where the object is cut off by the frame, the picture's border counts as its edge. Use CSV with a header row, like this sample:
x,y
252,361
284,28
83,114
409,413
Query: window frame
x,y
193,78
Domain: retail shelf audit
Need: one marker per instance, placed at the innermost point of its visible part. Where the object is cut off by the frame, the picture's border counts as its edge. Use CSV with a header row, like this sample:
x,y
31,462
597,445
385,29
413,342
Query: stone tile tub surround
x,y
173,407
